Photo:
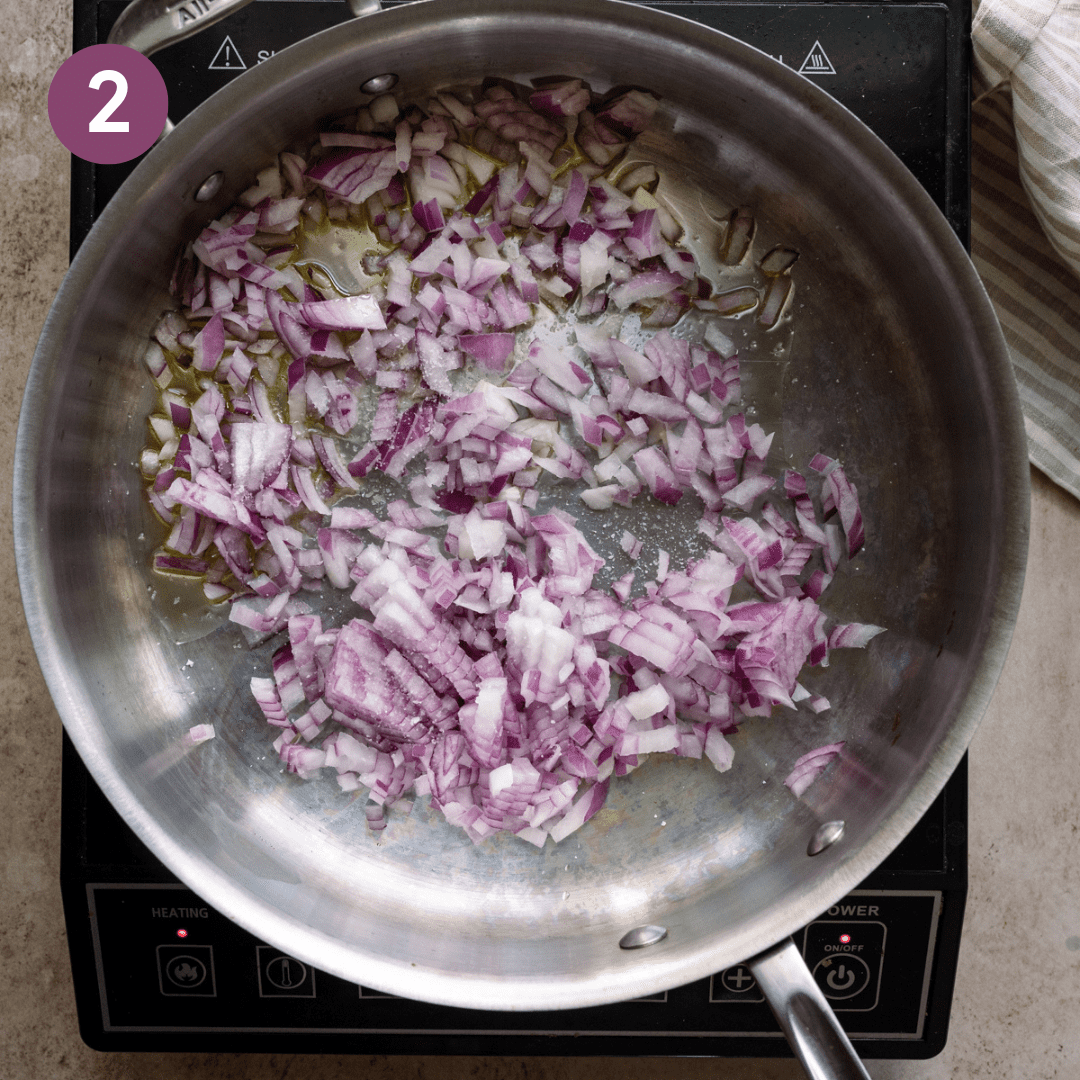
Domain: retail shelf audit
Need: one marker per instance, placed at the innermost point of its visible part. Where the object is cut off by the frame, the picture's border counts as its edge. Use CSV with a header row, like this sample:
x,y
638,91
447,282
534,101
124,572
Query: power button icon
x,y
842,976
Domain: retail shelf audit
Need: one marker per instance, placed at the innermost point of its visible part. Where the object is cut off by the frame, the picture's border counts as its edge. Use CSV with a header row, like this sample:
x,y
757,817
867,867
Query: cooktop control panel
x,y
171,967
156,968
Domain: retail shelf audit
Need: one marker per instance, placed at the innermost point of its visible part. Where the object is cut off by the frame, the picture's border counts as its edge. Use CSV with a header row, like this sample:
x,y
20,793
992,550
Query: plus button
x,y
737,979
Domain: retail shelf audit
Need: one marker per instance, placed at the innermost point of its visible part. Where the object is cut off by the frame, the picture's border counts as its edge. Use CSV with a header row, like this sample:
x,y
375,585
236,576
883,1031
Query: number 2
x,y
101,122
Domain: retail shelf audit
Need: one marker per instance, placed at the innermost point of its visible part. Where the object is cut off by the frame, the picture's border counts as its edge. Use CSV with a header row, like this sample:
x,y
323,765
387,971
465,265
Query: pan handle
x,y
804,1015
149,25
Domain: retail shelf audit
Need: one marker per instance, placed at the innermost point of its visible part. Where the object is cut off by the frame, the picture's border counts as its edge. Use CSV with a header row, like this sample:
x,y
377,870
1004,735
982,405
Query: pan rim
x,y
840,871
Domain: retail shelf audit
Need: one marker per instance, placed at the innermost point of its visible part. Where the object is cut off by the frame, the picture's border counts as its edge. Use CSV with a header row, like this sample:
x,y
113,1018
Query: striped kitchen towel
x,y
1025,213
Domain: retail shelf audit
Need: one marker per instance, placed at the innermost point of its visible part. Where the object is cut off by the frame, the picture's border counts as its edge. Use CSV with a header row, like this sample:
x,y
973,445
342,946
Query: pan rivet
x,y
641,936
378,84
209,187
825,836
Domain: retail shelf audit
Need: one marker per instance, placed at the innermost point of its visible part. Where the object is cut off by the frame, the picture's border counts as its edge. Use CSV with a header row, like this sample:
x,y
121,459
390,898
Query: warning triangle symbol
x,y
227,58
816,62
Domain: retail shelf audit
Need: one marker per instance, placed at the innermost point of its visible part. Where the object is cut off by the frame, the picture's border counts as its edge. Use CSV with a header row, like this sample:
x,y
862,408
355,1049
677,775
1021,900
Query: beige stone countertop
x,y
1016,1012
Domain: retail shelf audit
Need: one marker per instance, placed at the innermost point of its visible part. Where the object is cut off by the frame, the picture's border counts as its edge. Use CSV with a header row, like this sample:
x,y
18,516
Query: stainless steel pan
x,y
892,360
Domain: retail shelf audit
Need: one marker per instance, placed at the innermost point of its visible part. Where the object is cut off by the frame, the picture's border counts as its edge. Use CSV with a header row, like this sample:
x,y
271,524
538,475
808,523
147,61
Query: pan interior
x,y
888,359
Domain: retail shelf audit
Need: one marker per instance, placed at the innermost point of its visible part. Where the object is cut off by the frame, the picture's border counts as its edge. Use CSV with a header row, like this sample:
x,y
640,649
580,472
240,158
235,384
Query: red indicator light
x,y
845,939
181,933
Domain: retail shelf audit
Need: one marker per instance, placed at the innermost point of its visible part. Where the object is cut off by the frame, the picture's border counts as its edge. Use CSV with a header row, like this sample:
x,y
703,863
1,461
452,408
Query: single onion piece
x,y
736,301
776,294
345,313
853,635
656,471
180,564
584,808
629,113
429,214
566,98
209,345
718,750
491,350
158,364
560,367
845,498
631,544
777,261
810,766
737,237
600,498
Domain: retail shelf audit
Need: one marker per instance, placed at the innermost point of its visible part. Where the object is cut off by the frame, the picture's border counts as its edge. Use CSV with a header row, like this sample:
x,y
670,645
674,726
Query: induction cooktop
x,y
155,968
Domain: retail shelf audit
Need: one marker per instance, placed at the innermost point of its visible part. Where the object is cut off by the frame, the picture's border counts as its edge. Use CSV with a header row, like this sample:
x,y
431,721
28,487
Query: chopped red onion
x,y
485,668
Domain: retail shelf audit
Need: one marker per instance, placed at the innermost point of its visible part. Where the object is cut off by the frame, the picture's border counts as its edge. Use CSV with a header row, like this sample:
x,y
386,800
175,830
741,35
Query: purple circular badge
x,y
108,103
